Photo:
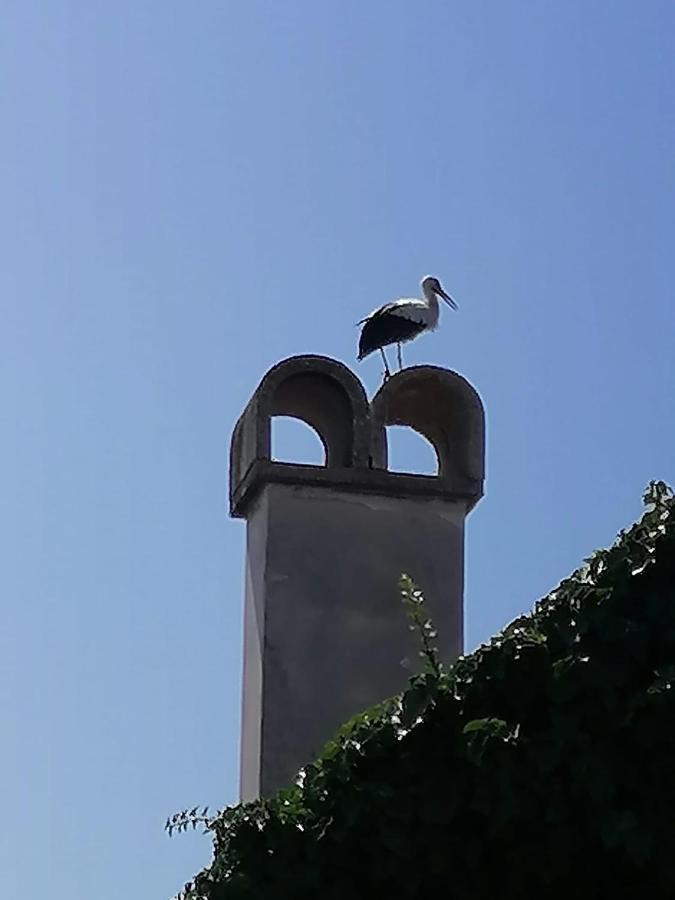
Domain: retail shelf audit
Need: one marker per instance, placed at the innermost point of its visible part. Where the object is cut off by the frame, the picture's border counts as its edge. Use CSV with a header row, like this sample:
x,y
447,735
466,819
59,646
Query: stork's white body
x,y
413,310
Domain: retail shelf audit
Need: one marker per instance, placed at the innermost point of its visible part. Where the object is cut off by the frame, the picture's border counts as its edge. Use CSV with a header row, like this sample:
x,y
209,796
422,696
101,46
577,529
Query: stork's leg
x,y
400,357
387,373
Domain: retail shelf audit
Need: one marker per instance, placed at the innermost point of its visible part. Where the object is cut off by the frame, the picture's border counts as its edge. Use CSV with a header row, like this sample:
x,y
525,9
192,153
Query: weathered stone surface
x,y
442,406
321,392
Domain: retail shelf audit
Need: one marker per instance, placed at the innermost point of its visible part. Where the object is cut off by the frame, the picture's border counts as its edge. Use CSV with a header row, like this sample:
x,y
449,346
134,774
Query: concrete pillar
x,y
325,635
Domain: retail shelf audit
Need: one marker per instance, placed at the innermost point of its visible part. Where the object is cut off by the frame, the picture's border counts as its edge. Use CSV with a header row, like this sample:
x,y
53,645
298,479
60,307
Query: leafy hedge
x,y
543,765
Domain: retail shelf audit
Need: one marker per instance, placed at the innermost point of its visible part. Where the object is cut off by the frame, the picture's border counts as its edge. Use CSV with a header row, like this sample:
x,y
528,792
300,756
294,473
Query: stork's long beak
x,y
448,299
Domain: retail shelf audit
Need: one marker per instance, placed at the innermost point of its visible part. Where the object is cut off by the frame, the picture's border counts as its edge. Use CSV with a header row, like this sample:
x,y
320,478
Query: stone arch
x,y
319,391
444,408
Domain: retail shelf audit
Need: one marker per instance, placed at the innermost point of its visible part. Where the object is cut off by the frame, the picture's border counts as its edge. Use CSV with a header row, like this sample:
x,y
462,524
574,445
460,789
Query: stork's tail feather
x,y
363,352
366,343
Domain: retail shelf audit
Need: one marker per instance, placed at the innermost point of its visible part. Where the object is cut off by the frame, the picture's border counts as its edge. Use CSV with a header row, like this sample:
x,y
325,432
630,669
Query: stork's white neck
x,y
432,302
428,292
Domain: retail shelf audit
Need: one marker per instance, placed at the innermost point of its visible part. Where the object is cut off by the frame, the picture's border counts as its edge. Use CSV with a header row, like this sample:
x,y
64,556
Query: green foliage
x,y
186,819
413,600
539,766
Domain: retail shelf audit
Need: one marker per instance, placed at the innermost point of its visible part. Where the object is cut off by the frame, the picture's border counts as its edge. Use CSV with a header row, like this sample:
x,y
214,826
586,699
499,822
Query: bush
x,y
539,766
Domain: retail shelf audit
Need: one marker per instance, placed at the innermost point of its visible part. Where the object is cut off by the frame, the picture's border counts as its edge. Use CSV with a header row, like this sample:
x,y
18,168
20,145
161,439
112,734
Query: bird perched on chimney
x,y
401,321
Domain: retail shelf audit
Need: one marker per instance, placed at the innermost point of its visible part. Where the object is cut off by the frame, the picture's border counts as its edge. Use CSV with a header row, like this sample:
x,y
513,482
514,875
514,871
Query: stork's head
x,y
431,286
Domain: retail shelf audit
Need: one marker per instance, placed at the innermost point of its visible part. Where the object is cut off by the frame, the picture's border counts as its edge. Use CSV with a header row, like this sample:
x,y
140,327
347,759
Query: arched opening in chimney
x,y
410,452
294,441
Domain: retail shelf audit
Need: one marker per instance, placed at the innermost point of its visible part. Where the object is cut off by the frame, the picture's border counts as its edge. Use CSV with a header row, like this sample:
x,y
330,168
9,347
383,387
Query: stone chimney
x,y
325,634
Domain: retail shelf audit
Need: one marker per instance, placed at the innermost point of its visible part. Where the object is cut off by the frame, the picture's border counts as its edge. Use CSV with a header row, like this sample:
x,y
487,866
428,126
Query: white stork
x,y
402,320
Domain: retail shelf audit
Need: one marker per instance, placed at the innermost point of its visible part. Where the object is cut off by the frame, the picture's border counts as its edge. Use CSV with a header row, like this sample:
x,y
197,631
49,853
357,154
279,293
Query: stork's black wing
x,y
383,328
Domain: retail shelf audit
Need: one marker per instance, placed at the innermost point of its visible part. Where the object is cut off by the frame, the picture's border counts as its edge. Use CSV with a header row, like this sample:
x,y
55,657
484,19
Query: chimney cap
x,y
439,404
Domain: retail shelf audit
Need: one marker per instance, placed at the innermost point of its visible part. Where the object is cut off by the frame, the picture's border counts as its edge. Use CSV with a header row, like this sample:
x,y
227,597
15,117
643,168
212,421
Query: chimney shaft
x,y
324,632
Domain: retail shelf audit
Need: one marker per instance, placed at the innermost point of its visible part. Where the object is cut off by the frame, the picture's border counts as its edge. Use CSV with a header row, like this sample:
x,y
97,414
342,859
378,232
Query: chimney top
x,y
322,392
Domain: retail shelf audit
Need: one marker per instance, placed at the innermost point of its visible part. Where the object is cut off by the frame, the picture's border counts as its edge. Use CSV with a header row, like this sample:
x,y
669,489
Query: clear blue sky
x,y
192,191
